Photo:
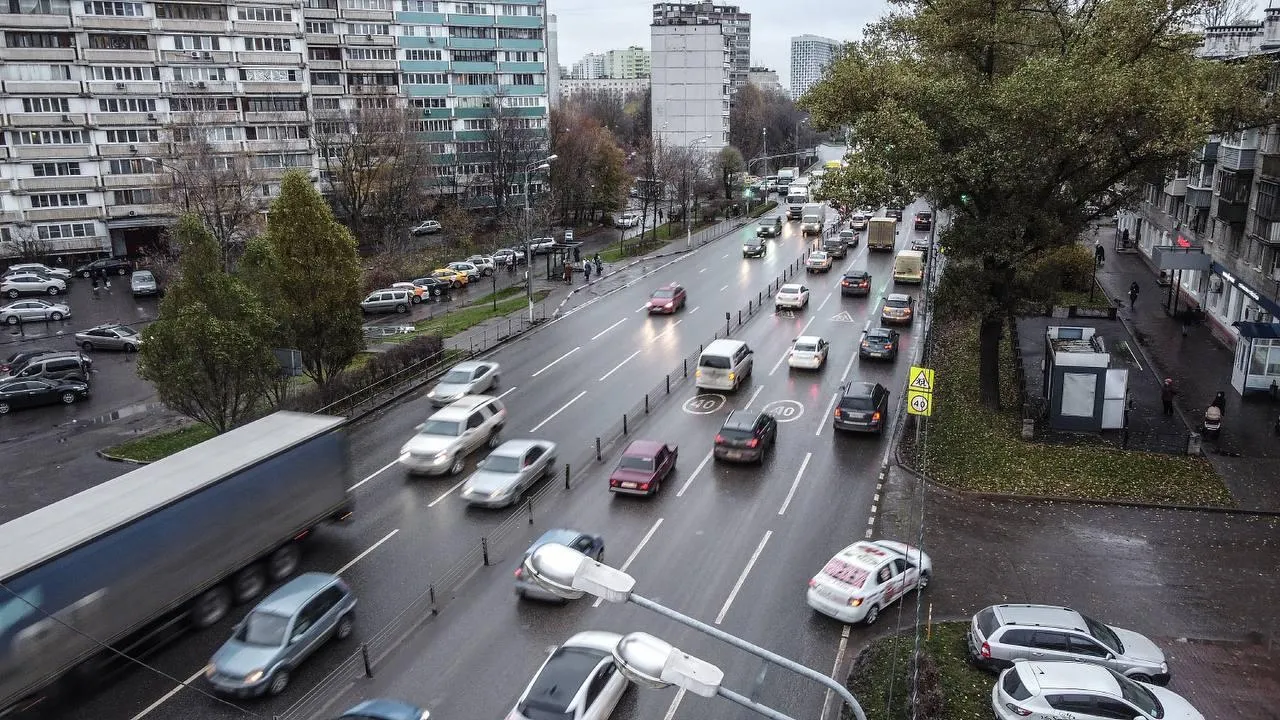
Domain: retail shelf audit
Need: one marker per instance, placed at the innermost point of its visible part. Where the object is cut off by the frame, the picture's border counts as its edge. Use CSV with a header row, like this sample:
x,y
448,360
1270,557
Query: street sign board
x,y
920,379
919,403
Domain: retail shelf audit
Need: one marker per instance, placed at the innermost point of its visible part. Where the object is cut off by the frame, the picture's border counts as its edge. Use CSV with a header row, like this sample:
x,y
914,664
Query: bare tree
x,y
217,183
511,143
375,170
1226,12
25,244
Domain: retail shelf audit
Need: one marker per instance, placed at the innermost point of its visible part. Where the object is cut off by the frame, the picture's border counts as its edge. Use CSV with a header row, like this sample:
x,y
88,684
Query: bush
x,y
379,367
1065,269
763,209
386,268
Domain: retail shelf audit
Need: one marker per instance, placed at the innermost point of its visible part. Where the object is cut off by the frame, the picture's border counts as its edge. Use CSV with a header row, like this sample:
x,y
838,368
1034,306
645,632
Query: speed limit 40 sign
x,y
919,403
920,391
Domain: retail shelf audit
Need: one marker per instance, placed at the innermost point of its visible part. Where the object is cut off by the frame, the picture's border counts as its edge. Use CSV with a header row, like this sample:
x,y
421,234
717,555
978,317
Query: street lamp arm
x,y
750,704
756,650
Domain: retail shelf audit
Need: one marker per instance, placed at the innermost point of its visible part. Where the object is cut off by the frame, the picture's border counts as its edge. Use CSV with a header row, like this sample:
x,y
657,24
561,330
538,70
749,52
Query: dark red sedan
x,y
643,467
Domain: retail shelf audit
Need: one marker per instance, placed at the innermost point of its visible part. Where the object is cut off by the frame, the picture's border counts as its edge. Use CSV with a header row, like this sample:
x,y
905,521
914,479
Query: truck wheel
x,y
249,583
283,562
210,607
279,682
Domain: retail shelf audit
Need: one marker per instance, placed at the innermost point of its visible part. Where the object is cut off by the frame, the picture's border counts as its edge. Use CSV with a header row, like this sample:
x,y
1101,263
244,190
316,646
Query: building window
x,y
474,56
316,27
125,72
40,40
426,79
374,103
268,75
366,4
475,79
281,160
46,105
467,8
143,135
428,102
523,79
53,200
1268,207
419,54
49,137
375,79
205,134
328,79
521,56
133,166
522,101
141,196
437,148
195,42
203,104
40,7
113,105
370,29
477,124
119,9
64,230
277,132
274,104
118,41
432,125
462,31
34,71
325,103
186,73
324,53
519,33
267,44
423,6
265,14
371,53
190,11
1231,187
55,169
522,10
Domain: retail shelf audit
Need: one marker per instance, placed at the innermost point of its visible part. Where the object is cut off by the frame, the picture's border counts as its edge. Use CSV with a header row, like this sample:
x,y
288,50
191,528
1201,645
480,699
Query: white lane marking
x,y
725,255
446,494
754,395
835,668
618,367
374,474
795,484
695,309
553,362
643,307
675,705
726,287
824,302
506,392
602,332
786,354
822,423
743,577
552,416
702,270
635,553
696,470
165,698
669,329
849,368
362,555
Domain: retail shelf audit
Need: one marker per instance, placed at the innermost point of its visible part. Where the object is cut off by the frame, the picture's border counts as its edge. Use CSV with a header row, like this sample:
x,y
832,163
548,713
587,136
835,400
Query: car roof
x,y
899,297
857,273
880,332
291,596
791,287
460,409
563,676
560,536
865,554
1042,676
808,339
470,365
384,708
859,389
741,420
643,448
515,447
1039,615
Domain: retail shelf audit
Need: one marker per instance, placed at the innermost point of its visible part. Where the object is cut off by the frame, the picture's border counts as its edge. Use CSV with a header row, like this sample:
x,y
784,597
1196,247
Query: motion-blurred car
x,y
17,393
866,577
105,266
850,237
745,435
627,220
855,283
879,343
642,467
754,247
442,443
382,709
818,261
426,227
466,378
279,633
453,277
921,244
109,337
578,681
791,295
143,282
808,352
501,256
511,469
899,309
33,311
39,269
893,212
667,299
923,221
1052,690
590,545
31,283
862,407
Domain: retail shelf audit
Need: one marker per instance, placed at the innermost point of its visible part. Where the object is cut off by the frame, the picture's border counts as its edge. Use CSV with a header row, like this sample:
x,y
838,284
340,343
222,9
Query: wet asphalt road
x,y
715,528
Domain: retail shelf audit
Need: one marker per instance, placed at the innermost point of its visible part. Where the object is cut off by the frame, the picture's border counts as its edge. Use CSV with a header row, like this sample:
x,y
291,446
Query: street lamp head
x,y
543,166
550,158
654,663
569,574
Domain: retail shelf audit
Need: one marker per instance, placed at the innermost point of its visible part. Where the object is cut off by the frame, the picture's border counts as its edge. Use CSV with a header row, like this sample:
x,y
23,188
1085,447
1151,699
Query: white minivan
x,y
724,365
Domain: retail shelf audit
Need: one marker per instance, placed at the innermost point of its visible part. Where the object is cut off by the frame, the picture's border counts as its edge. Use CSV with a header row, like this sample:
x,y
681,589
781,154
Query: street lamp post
x,y
799,122
764,152
544,164
688,194
569,574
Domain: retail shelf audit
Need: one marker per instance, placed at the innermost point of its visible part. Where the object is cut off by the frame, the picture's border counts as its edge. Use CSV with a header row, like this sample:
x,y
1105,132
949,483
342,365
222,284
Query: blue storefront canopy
x,y
1258,330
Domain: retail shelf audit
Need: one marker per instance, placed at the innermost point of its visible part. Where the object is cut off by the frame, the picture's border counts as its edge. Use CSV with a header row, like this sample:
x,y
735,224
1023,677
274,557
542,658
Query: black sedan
x,y
105,266
879,343
754,247
32,392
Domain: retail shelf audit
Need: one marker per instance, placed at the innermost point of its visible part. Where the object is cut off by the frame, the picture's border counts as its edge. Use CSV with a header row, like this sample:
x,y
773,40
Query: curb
x,y
117,458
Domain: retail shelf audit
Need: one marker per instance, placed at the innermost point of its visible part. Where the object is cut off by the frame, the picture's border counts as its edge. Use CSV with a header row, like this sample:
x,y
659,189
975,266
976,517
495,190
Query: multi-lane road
x,y
729,545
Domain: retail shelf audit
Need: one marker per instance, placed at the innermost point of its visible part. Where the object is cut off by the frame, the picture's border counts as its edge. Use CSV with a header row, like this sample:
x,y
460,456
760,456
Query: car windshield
x,y
819,256
456,377
878,336
897,302
1138,695
846,233
634,462
806,347
844,572
766,223
264,628
145,276
441,427
501,463
790,290
664,294
735,434
1104,635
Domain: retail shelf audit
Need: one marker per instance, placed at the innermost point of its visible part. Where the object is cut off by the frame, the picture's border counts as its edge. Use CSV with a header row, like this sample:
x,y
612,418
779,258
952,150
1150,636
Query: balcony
x,y
369,40
274,59
131,87
178,25
200,57
47,120
144,57
52,152
20,54
1209,153
63,213
122,150
61,183
35,21
1237,158
1234,213
1176,187
1199,197
271,88
127,211
187,87
107,22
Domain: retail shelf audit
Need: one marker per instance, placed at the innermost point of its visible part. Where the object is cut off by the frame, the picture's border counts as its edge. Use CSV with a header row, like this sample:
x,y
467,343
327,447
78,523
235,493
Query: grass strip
x,y
157,445
950,687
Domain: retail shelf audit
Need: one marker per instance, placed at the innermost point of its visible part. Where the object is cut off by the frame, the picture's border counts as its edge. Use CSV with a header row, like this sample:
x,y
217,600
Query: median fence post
x,y
624,423
668,383
431,595
728,323
364,655
567,475
686,367
528,505
646,403
484,550
740,317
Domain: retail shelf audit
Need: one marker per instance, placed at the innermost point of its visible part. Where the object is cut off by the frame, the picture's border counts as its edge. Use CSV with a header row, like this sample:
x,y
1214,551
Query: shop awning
x,y
1257,330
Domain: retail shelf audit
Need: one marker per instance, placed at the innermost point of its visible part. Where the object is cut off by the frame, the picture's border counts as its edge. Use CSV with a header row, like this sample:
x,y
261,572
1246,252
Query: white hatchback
x,y
1051,690
866,577
808,352
578,681
791,295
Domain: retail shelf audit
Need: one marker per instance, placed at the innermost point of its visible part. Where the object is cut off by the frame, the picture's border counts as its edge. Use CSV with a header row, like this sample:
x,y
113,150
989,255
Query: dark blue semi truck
x,y
173,544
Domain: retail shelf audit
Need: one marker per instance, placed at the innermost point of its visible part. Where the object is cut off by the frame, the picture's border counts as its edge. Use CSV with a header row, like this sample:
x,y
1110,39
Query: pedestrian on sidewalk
x,y
95,287
1167,391
1133,294
586,271
1220,402
1099,253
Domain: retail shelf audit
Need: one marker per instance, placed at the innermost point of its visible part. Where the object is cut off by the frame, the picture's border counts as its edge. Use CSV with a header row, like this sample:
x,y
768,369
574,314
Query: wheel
x,y
53,291
12,320
4,408
495,439
130,347
283,562
86,345
210,607
458,465
923,582
873,614
249,583
68,398
401,308
346,624
54,316
417,299
600,556
84,273
279,682
12,294
435,291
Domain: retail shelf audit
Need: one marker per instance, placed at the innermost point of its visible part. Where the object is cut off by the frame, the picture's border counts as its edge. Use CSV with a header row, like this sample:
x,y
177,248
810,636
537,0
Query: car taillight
x,y
866,344
875,416
855,602
845,283
753,442
719,439
986,650
838,413
644,486
888,346
1021,711
813,583
519,573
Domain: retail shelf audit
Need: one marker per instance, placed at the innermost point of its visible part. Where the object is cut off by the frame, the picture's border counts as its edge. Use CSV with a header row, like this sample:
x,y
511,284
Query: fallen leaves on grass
x,y
882,676
152,447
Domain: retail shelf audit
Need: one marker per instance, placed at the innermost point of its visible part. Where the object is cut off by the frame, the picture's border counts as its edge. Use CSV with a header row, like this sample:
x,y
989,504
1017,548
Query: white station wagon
x,y
866,577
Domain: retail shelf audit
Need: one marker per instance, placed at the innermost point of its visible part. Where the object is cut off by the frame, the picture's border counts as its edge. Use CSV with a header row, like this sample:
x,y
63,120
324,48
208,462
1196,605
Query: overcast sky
x,y
598,25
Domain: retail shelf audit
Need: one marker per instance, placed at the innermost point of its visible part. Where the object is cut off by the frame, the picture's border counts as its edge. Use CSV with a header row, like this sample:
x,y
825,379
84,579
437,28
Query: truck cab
x,y
797,198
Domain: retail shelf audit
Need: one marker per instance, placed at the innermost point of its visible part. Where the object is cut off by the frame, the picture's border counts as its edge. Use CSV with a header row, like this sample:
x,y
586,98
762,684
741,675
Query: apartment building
x,y
631,62
735,25
1226,202
764,78
590,67
690,86
810,56
93,96
618,86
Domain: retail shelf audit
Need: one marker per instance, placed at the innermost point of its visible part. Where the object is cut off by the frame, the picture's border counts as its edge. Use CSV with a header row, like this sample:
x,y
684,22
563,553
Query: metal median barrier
x,y
505,542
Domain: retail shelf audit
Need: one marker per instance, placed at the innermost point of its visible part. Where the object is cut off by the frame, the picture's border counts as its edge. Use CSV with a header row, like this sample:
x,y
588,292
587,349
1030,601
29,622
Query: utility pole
x,y
544,164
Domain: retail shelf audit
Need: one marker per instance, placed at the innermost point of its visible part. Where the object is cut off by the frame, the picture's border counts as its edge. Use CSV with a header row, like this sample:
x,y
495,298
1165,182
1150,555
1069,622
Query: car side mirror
x,y
420,426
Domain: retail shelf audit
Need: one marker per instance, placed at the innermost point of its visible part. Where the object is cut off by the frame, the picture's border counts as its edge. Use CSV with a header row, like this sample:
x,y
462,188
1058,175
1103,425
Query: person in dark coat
x,y
1167,391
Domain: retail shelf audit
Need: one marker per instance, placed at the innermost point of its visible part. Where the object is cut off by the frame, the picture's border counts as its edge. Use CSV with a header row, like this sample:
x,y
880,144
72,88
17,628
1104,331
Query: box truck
x,y
797,198
813,219
881,233
126,564
786,176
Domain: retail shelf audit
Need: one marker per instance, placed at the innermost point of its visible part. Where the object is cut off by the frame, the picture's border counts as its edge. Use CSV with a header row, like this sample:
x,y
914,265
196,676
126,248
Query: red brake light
x,y
875,416
519,573
753,442
1023,712
813,583
837,412
986,650
719,439
644,486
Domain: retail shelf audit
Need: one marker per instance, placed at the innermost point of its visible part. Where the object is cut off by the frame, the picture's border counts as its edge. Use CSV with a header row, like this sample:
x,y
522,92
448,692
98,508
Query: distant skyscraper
x,y
590,67
810,56
735,24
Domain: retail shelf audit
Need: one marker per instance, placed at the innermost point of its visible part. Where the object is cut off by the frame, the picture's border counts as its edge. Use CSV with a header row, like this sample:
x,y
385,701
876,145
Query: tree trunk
x,y
989,334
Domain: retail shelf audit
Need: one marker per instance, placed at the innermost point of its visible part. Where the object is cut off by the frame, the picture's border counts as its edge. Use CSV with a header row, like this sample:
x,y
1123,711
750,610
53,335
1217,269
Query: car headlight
x,y
210,670
254,676
442,454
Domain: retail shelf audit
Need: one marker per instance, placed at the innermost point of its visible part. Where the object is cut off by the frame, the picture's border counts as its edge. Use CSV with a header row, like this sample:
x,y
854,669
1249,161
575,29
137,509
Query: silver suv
x,y
395,300
446,439
1001,634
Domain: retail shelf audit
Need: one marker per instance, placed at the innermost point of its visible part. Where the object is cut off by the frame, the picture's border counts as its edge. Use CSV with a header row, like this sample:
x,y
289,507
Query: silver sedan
x,y
466,378
511,469
33,311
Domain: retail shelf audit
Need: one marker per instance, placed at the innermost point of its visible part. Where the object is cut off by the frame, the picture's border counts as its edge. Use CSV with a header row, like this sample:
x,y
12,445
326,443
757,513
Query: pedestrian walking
x,y
577,255
1099,253
1167,391
599,267
586,271
1133,294
95,286
568,272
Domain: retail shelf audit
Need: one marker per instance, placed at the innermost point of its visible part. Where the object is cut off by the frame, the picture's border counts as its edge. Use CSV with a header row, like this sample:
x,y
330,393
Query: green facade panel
x,y
476,67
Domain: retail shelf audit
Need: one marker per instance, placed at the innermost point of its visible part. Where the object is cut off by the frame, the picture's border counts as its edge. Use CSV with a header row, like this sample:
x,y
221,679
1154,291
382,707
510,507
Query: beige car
x,y
818,261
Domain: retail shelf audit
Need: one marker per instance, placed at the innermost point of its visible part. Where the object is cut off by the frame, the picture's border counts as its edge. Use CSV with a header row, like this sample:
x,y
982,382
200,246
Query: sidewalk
x,y
1247,454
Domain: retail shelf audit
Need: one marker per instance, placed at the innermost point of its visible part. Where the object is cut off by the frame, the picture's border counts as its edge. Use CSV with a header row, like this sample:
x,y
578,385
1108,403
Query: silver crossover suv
x,y
1001,634
444,441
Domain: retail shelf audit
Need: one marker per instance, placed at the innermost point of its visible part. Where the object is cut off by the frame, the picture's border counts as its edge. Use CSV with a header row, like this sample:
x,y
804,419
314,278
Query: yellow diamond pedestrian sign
x,y
921,379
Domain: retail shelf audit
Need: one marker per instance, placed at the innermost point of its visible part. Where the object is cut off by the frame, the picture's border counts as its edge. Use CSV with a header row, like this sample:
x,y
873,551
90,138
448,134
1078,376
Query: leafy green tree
x,y
207,353
1015,116
307,272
